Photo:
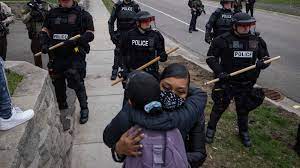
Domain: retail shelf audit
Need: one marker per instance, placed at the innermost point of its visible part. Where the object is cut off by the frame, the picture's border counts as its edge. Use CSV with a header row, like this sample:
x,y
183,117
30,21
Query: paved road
x,y
280,32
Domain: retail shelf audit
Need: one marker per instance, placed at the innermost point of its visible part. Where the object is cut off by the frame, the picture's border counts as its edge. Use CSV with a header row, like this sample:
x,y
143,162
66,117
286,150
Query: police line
x,y
243,70
59,44
146,65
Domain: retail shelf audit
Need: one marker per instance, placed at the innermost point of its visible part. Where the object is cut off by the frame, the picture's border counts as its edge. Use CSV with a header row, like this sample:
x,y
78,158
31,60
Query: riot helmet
x,y
127,1
242,22
145,20
222,2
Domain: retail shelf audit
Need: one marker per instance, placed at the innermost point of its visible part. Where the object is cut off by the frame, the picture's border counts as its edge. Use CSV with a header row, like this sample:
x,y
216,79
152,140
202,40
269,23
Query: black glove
x,y
223,76
261,65
70,43
114,39
208,38
45,49
123,74
163,57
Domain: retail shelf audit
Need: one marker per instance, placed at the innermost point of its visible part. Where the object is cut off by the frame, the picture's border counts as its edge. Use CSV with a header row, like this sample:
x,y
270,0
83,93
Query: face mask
x,y
170,100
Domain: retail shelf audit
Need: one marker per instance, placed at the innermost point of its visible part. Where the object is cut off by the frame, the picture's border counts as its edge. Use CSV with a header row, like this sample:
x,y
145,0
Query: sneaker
x,y
18,117
210,134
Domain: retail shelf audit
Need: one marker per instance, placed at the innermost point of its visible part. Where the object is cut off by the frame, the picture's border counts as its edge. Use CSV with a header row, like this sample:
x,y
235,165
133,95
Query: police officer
x,y
238,6
196,9
6,17
219,21
124,13
68,62
230,52
141,45
250,6
34,14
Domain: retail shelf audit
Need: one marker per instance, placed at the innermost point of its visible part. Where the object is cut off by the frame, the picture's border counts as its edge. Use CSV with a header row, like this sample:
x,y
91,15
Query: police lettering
x,y
143,43
243,54
127,8
226,16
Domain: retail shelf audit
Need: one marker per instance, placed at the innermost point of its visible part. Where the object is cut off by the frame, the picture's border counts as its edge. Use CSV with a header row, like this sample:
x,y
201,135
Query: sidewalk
x,y
105,101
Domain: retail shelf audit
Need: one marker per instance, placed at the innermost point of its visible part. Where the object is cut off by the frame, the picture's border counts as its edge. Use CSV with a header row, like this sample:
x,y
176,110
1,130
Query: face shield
x,y
147,24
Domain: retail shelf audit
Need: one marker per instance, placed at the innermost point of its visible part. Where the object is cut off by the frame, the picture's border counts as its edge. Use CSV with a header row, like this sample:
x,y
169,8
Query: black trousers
x,y
222,97
35,48
117,53
250,7
193,21
63,74
3,47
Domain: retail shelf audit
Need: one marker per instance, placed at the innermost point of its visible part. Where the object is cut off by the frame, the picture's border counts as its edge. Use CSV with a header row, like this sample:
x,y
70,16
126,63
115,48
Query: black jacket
x,y
189,119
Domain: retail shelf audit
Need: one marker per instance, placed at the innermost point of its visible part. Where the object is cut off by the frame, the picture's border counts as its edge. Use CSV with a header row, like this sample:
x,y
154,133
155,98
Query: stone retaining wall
x,y
41,142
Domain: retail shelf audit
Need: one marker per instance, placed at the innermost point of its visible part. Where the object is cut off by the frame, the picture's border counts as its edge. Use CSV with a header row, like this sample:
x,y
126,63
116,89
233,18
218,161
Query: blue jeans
x,y
5,100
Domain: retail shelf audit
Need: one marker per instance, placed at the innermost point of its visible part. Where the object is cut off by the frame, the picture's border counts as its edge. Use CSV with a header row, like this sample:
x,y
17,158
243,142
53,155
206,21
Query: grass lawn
x,y
13,81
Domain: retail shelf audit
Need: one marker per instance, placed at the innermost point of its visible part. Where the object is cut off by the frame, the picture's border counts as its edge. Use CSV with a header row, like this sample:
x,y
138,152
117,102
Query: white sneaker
x,y
18,117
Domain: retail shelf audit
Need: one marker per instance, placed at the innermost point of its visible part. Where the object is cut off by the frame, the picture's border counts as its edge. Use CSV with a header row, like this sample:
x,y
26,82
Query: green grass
x,y
108,4
272,133
13,81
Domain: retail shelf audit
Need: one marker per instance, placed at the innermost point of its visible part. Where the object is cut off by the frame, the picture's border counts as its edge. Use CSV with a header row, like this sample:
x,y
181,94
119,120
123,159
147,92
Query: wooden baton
x,y
242,70
58,45
146,65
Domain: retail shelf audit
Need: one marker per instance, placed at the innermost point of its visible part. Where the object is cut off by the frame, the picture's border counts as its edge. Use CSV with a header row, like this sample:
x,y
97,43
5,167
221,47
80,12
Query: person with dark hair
x,y
183,108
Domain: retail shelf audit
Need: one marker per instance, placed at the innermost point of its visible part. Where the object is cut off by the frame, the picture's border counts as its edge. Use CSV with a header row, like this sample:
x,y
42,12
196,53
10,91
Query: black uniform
x,y
139,48
229,53
297,145
68,62
219,22
250,6
238,6
124,14
196,9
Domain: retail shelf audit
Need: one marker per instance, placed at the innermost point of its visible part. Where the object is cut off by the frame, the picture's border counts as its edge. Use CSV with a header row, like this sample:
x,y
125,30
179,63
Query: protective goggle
x,y
147,20
246,24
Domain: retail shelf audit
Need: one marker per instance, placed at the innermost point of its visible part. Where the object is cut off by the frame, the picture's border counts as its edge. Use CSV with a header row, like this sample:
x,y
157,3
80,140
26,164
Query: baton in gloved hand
x,y
59,45
243,70
146,65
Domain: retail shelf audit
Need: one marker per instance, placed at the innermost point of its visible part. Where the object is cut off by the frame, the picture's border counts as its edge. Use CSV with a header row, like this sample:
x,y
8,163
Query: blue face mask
x,y
170,100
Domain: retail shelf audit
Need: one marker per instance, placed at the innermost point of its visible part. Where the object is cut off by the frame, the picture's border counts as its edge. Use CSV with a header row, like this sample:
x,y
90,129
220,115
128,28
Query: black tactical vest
x,y
240,53
65,23
223,23
141,48
126,17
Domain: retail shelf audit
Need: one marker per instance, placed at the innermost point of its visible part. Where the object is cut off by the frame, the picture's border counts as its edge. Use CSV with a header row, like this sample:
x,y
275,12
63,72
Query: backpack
x,y
161,149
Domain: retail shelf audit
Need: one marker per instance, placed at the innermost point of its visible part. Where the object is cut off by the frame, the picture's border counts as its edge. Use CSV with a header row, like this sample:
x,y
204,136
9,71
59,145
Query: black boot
x,y
195,30
114,74
190,31
210,134
84,116
245,139
63,105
